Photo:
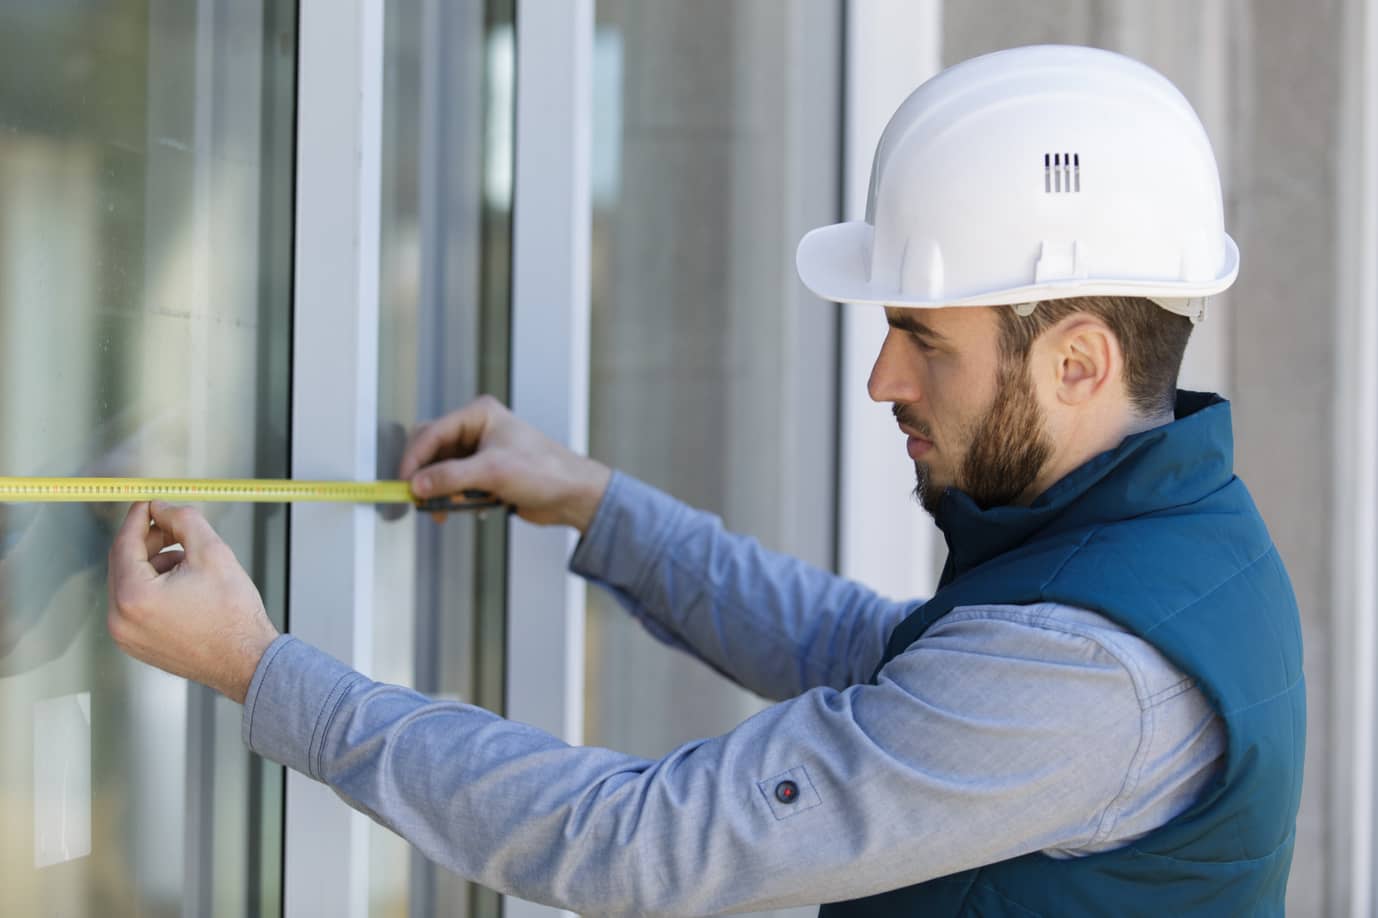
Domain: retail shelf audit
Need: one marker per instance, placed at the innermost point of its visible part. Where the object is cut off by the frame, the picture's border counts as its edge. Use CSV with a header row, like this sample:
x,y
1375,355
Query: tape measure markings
x,y
218,490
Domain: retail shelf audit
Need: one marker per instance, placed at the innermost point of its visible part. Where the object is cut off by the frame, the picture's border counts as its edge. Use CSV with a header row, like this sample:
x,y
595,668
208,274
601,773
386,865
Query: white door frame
x,y
551,225
335,383
891,546
334,407
1354,682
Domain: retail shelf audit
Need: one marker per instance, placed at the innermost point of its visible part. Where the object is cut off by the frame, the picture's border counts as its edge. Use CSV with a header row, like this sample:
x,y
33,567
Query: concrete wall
x,y
717,145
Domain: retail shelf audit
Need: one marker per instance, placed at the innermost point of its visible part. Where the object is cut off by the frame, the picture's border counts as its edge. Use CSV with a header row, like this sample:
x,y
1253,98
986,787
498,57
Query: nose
x,y
894,377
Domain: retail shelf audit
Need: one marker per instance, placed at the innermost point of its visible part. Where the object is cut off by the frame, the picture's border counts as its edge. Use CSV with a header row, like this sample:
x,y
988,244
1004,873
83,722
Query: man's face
x,y
973,419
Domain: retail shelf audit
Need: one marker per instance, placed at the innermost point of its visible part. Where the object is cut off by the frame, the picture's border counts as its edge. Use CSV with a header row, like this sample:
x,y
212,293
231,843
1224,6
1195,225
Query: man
x,y
1100,712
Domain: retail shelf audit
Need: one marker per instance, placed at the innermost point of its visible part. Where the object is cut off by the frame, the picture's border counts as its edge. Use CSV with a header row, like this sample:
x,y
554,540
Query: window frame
x,y
334,407
875,545
335,384
1353,728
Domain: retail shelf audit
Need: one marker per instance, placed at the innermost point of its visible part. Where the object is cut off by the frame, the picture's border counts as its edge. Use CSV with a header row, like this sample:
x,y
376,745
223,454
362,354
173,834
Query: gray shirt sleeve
x,y
769,622
1005,730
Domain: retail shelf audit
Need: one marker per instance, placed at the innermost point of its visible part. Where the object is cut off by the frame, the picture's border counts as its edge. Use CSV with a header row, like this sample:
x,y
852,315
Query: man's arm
x,y
771,623
958,757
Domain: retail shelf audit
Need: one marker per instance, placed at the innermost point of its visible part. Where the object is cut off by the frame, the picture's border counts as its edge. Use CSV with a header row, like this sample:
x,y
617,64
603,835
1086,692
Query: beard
x,y
1006,448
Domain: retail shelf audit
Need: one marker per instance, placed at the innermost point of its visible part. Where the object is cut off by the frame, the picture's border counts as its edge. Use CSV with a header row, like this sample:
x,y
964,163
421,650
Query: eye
x,y
922,342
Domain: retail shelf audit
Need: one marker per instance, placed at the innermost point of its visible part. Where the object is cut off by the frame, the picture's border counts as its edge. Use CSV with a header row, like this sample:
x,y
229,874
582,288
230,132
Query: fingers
x,y
129,567
420,449
130,546
184,525
460,430
167,560
455,475
157,539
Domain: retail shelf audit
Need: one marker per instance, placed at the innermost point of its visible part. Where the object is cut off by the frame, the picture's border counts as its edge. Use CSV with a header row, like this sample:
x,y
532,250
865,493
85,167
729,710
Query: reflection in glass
x,y
145,244
446,205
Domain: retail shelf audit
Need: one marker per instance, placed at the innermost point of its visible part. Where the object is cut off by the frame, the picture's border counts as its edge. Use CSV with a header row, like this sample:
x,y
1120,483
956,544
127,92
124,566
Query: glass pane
x,y
713,373
145,280
446,207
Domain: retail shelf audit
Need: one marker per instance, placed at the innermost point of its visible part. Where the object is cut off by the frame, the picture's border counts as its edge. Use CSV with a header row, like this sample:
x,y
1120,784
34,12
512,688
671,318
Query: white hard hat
x,y
1030,174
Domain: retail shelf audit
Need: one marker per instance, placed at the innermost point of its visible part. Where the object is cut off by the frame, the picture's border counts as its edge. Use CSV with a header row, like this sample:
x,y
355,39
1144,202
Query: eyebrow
x,y
904,320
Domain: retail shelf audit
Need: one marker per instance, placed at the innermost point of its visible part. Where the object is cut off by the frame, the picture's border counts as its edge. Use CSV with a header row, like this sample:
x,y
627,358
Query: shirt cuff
x,y
295,692
629,529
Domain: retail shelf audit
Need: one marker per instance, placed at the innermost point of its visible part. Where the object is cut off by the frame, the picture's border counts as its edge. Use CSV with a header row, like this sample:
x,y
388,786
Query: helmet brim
x,y
834,263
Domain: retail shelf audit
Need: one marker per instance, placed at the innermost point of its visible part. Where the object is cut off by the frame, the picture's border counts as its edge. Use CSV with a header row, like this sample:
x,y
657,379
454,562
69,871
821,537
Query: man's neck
x,y
1083,448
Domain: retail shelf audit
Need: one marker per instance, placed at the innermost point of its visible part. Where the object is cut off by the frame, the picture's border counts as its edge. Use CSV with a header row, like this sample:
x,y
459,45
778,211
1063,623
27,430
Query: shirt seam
x,y
1110,816
334,700
656,549
1040,616
1164,695
256,686
590,537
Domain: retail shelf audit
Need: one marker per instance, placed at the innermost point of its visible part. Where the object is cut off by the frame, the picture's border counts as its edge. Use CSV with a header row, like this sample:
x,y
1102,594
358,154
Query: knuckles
x,y
220,556
185,517
118,628
128,600
497,469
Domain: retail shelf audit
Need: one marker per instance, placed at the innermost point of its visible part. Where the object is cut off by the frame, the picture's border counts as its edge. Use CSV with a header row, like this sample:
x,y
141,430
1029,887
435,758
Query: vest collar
x,y
1168,466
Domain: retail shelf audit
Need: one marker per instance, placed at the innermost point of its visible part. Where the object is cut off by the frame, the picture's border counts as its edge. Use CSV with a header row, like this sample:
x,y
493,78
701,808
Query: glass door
x,y
149,247
146,157
443,338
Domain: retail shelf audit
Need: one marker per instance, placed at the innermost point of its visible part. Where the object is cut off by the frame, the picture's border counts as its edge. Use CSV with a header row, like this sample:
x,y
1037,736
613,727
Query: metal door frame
x,y
335,382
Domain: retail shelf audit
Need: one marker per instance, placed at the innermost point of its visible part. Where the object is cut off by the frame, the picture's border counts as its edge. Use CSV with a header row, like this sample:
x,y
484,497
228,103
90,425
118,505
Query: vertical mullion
x,y
432,312
431,351
1355,636
199,864
552,219
334,405
892,46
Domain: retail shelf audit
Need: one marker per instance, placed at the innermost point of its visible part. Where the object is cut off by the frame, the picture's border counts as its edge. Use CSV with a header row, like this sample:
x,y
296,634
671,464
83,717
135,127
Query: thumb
x,y
185,525
455,475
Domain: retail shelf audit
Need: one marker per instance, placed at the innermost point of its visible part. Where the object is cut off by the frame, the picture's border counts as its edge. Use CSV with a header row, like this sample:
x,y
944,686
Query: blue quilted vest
x,y
1159,536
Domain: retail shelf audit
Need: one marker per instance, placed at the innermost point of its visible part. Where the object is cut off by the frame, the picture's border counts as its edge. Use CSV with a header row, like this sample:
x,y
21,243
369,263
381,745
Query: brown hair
x,y
1153,341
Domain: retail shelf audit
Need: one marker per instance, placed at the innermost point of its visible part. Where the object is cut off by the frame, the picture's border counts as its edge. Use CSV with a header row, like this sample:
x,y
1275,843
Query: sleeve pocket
x,y
776,787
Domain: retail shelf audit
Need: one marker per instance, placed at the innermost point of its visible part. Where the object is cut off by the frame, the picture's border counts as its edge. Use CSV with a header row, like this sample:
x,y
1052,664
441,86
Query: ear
x,y
1086,356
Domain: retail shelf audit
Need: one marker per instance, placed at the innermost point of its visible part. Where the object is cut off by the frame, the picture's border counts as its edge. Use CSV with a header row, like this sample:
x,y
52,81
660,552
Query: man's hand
x,y
193,611
485,446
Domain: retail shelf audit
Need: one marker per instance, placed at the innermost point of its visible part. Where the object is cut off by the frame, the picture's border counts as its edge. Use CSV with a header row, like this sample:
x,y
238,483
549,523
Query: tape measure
x,y
232,490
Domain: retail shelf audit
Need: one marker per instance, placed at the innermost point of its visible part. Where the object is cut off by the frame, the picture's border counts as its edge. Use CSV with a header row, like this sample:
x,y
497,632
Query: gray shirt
x,y
1004,730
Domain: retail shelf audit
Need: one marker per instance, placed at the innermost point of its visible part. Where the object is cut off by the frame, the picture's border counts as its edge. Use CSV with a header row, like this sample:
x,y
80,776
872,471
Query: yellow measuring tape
x,y
229,490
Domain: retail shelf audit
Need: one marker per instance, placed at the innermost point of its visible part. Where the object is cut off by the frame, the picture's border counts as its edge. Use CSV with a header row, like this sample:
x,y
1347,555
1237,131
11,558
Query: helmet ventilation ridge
x,y
1061,172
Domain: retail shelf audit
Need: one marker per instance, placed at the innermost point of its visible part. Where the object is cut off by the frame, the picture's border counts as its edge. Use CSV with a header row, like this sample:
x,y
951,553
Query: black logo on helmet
x,y
1061,172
